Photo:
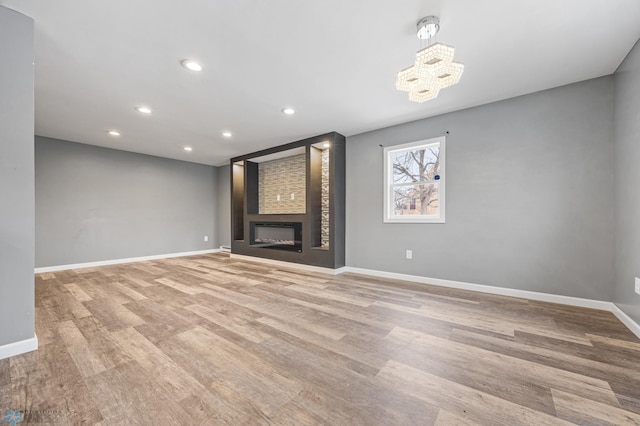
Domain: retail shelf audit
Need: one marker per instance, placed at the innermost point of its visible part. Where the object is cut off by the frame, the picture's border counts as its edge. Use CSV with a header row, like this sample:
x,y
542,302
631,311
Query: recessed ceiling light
x,y
227,134
188,148
191,65
326,145
143,109
114,132
288,111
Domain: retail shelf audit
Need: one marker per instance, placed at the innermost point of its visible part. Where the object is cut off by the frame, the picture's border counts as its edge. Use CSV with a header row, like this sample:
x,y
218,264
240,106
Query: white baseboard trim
x,y
290,264
119,261
18,348
524,294
626,319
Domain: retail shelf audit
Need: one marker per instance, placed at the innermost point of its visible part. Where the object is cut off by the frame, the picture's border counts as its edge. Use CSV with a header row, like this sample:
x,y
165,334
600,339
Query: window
x,y
414,182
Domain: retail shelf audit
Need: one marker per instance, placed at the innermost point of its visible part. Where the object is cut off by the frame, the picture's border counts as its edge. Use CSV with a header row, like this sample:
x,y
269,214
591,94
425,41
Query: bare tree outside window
x,y
414,178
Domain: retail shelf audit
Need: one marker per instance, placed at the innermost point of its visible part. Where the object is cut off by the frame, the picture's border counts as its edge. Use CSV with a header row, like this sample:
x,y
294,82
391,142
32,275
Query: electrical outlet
x,y
278,197
409,254
293,197
206,238
637,285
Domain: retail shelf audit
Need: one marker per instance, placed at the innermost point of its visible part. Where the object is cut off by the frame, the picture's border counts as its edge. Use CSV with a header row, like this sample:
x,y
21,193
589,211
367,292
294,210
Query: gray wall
x,y
96,204
224,206
16,177
627,181
528,191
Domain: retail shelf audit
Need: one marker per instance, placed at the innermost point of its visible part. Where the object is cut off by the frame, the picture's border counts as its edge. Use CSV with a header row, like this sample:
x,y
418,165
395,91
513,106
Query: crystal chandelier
x,y
433,69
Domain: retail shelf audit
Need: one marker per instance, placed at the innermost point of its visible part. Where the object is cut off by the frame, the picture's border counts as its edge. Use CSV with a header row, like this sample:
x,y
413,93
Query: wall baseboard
x,y
290,264
502,291
626,319
523,294
18,348
119,261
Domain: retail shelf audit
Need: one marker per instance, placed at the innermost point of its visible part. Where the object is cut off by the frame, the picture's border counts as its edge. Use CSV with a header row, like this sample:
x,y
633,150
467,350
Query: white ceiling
x,y
334,61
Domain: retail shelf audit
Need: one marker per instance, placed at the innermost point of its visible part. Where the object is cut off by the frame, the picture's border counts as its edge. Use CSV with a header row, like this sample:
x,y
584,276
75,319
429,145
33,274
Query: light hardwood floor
x,y
213,340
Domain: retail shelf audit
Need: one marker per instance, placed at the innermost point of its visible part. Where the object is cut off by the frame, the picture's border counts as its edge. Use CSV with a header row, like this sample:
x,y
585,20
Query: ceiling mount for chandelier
x,y
428,27
433,68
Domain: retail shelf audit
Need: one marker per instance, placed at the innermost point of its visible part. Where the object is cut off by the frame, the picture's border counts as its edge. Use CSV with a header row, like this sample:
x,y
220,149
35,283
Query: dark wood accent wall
x,y
251,188
245,209
237,200
337,187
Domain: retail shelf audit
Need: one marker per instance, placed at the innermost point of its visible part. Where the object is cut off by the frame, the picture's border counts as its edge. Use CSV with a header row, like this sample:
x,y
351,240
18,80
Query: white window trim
x,y
388,216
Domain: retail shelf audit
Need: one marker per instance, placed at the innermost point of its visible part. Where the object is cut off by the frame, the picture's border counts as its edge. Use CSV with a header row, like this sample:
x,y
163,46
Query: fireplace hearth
x,y
276,235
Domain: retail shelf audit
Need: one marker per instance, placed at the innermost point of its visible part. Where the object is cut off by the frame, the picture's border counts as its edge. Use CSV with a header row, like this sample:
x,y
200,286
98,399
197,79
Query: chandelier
x,y
433,68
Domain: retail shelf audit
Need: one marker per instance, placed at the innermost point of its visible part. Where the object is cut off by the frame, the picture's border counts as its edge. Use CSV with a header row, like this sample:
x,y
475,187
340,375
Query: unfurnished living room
x,y
320,212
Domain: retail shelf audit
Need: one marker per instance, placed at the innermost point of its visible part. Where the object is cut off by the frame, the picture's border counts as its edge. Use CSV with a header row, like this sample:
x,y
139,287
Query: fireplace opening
x,y
276,235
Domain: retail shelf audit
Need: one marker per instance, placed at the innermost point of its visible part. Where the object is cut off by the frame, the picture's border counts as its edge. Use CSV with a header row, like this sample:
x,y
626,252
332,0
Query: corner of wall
x,y
626,132
16,180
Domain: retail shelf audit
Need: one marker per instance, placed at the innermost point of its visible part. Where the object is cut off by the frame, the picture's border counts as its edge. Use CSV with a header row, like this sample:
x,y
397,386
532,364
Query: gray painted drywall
x,y
224,206
16,177
528,193
95,204
627,181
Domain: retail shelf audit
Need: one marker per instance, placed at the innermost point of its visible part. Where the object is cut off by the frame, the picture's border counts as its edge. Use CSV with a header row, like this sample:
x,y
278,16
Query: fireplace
x,y
276,235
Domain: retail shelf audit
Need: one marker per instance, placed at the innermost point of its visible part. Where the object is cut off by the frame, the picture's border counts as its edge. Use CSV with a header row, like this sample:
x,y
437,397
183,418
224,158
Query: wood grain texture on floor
x,y
207,340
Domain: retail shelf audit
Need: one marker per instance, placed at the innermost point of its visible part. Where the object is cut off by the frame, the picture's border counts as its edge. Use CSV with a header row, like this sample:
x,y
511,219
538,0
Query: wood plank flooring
x,y
213,340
